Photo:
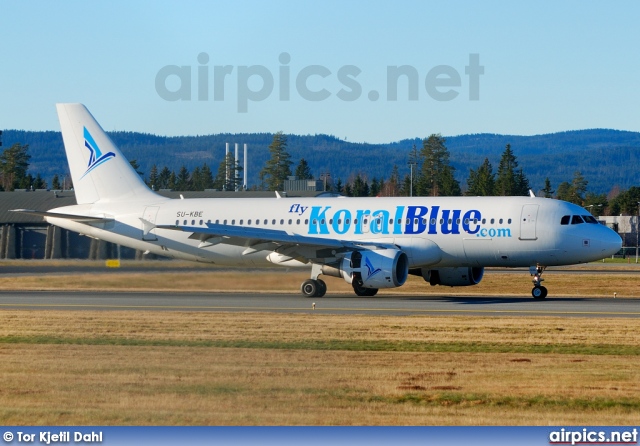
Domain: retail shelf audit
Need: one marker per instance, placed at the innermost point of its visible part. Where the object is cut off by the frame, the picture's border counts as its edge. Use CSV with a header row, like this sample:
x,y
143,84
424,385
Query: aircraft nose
x,y
611,242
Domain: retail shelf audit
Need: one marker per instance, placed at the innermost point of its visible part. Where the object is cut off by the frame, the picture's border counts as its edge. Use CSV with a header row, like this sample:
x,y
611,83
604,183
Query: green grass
x,y
536,401
340,345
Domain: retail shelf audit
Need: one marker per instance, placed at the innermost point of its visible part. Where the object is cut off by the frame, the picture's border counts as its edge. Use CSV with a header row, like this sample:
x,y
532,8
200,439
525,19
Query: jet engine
x,y
459,276
384,268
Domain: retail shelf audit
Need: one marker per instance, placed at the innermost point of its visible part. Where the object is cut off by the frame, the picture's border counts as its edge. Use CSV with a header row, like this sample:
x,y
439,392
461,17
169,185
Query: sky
x,y
369,71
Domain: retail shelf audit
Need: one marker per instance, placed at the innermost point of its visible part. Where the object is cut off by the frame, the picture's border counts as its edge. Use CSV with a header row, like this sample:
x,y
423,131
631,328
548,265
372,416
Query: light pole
x,y
590,207
637,225
325,176
411,164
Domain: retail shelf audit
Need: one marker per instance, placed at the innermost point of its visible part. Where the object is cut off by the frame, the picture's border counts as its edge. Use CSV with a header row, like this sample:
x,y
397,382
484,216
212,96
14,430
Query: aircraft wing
x,y
261,239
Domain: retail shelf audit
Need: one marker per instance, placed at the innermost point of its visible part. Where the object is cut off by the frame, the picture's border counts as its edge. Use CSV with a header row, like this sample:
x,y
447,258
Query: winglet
x,y
531,194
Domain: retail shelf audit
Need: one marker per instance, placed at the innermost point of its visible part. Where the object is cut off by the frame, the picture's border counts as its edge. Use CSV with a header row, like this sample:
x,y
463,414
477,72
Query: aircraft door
x,y
528,222
148,223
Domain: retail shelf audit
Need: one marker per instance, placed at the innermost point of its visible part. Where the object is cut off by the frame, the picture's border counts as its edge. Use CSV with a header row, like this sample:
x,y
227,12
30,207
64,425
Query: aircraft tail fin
x,y
98,169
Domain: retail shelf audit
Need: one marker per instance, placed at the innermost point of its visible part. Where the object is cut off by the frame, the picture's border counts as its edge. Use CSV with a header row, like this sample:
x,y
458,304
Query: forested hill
x,y
606,158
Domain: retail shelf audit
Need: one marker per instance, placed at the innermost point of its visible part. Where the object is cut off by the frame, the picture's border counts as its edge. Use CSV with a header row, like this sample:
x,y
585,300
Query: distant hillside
x,y
605,157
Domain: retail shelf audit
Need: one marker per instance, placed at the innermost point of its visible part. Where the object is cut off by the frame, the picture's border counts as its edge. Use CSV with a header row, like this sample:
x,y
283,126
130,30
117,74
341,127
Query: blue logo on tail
x,y
96,156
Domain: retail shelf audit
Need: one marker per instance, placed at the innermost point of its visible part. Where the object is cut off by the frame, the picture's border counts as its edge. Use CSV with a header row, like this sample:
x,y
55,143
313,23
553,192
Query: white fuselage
x,y
433,231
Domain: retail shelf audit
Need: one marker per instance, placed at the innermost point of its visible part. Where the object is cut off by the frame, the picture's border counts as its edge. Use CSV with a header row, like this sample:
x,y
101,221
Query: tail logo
x,y
96,156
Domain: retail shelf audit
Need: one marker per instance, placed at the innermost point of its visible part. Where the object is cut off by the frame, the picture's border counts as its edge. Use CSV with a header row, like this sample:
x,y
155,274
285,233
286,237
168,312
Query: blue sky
x,y
548,66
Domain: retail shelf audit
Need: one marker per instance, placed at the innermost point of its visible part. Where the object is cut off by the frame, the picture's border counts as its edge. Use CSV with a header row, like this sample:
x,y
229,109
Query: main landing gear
x,y
538,291
315,287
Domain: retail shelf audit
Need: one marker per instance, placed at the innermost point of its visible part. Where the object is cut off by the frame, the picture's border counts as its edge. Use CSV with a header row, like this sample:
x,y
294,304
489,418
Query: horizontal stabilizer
x,y
79,218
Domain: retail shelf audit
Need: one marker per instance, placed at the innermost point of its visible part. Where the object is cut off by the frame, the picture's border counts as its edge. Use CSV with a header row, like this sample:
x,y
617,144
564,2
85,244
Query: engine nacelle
x,y
463,276
384,268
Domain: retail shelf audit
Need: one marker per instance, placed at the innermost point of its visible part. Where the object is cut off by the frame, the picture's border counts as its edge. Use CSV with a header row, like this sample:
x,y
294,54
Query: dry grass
x,y
168,368
493,283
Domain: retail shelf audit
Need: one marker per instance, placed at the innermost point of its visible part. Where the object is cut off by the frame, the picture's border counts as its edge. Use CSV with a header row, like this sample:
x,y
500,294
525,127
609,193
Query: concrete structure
x,y
293,184
627,227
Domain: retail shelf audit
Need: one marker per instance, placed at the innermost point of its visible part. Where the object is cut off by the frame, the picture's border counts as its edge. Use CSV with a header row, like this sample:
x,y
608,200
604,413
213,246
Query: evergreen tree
x,y
374,188
195,181
547,191
578,188
172,182
207,177
436,174
626,203
522,184
55,183
506,182
278,167
449,186
153,178
481,182
164,178
303,171
39,182
14,163
360,187
182,180
564,191
136,167
338,187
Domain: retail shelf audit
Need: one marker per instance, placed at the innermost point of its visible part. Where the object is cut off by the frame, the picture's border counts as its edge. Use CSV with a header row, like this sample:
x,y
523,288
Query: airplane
x,y
371,243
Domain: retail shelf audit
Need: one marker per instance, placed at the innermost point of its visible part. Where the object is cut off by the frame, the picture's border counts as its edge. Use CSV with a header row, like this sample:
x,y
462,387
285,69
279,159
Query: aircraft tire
x,y
322,288
309,288
539,292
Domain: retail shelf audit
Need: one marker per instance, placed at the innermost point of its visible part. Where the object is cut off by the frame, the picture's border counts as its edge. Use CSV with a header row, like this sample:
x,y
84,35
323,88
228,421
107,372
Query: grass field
x,y
157,368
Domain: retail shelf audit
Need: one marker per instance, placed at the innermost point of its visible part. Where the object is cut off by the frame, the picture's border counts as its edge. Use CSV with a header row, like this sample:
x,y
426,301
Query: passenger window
x,y
565,220
177,222
509,221
576,220
282,221
433,221
241,222
493,220
500,221
289,221
298,221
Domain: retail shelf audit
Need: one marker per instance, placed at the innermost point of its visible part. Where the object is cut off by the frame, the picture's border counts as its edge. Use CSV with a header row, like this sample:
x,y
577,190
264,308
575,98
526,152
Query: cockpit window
x,y
565,220
576,220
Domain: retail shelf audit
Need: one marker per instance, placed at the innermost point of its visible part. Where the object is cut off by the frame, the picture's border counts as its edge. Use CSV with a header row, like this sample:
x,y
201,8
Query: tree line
x,y
431,174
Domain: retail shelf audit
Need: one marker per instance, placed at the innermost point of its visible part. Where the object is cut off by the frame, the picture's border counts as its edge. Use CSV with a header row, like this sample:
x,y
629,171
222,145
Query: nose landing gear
x,y
538,291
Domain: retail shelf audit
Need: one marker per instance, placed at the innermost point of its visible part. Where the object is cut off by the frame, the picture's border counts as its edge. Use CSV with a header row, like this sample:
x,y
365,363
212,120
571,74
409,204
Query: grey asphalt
x,y
293,303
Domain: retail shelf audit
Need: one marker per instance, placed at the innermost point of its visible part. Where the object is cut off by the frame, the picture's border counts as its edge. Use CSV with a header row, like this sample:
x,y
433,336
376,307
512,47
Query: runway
x,y
294,303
